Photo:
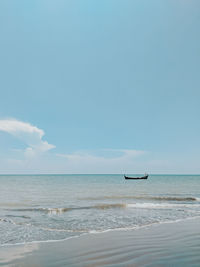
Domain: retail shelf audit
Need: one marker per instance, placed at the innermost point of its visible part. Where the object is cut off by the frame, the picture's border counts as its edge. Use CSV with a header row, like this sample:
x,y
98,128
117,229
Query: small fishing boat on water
x,y
136,178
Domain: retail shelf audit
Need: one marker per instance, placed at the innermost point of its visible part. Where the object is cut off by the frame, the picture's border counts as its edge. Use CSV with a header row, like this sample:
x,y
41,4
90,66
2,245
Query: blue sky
x,y
99,86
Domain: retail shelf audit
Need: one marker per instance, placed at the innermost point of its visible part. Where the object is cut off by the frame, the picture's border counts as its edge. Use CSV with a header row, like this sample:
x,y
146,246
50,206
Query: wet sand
x,y
169,244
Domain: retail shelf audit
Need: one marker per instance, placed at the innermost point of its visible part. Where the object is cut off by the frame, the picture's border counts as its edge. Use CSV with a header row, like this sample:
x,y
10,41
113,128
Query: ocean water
x,y
55,207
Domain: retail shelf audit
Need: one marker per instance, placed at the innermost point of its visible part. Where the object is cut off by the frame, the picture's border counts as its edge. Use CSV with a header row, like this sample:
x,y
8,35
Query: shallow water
x,y
54,207
170,244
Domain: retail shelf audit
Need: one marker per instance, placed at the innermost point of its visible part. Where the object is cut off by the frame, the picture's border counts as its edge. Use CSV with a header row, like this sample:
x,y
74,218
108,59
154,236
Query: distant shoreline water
x,y
67,174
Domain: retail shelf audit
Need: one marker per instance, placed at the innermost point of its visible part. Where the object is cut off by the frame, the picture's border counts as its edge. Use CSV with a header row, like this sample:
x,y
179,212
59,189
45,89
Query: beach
x,y
167,244
99,220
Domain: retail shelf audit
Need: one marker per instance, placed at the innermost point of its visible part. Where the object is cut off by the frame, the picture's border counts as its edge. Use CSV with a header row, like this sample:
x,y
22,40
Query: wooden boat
x,y
136,178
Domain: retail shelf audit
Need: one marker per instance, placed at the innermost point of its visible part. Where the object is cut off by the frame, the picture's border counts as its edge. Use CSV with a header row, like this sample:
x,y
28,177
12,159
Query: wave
x,y
5,220
107,206
12,204
160,205
138,227
62,210
64,230
159,198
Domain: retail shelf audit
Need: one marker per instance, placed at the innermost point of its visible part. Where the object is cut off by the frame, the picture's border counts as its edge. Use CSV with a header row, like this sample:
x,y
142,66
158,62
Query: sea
x,y
54,207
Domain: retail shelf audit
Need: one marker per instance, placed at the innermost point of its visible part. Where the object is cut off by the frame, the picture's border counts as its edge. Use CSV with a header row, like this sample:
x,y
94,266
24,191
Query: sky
x,y
108,86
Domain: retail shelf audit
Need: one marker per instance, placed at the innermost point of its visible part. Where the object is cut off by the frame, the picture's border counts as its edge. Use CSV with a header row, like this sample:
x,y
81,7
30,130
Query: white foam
x,y
160,205
102,231
56,210
137,227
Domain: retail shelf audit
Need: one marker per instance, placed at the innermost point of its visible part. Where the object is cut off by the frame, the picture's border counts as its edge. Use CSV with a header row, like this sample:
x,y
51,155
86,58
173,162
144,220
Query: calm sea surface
x,y
54,207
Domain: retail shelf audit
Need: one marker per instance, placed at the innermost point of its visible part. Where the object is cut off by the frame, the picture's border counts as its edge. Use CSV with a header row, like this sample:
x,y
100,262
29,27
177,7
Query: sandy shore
x,y
169,244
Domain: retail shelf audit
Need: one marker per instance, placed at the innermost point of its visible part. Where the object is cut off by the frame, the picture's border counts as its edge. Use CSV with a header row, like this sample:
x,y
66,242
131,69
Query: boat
x,y
136,178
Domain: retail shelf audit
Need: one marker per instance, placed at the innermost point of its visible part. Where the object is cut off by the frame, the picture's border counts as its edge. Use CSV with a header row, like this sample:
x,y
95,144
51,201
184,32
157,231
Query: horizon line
x,y
37,174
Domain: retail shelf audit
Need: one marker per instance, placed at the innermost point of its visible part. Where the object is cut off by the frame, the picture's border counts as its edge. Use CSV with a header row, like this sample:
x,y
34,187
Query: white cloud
x,y
118,161
36,159
15,127
28,134
33,158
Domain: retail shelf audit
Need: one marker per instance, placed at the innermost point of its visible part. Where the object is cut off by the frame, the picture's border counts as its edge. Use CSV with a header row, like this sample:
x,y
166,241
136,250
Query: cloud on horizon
x,y
35,158
28,134
102,161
